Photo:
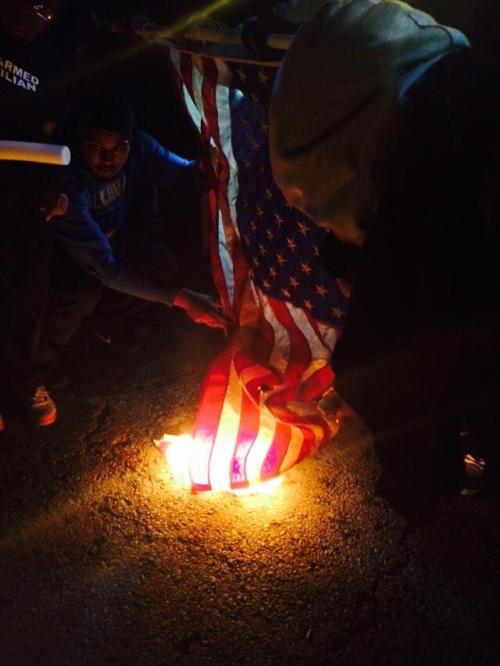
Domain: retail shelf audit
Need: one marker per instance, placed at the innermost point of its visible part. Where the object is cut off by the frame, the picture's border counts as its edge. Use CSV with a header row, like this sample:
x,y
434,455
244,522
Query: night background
x,y
104,559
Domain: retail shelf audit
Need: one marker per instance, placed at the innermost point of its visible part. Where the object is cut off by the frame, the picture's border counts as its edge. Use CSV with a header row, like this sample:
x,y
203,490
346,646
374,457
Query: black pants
x,y
75,294
25,253
419,358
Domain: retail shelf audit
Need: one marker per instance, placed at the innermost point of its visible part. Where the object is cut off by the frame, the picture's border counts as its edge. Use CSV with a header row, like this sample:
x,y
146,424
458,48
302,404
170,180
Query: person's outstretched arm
x,y
83,239
166,169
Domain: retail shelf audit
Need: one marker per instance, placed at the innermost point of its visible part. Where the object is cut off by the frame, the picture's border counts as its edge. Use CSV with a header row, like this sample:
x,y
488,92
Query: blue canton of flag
x,y
281,245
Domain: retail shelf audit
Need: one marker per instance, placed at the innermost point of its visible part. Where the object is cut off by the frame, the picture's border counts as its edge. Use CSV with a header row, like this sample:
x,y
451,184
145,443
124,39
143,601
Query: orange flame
x,y
180,452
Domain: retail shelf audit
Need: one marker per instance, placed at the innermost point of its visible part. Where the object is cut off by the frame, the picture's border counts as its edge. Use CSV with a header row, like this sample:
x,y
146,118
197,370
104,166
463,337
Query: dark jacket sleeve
x,y
166,169
81,236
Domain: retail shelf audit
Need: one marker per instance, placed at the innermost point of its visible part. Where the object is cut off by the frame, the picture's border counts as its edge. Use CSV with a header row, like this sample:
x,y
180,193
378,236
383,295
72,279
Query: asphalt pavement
x,y
104,559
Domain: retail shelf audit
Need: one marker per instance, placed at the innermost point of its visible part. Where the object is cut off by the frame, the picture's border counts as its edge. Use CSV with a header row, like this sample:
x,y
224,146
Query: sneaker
x,y
474,475
474,466
41,407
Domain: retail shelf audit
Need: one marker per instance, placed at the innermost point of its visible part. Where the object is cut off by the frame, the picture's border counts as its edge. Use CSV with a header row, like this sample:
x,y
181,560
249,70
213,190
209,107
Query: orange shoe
x,y
41,408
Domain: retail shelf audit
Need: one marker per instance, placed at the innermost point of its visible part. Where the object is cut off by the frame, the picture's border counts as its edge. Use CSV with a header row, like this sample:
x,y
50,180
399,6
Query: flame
x,y
178,449
181,452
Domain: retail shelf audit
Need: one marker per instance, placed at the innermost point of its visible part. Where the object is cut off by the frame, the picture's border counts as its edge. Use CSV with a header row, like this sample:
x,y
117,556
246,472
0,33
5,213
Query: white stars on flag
x,y
305,268
321,290
284,241
263,76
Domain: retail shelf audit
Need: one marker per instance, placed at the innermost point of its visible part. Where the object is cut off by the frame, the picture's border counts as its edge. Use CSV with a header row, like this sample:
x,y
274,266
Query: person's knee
x,y
82,298
69,308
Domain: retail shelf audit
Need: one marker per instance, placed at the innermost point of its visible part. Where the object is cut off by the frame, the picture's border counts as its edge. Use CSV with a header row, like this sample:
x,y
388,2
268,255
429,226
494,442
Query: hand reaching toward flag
x,y
202,308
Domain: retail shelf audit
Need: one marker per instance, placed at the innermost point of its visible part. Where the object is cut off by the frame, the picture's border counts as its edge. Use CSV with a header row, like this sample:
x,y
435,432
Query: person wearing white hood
x,y
384,129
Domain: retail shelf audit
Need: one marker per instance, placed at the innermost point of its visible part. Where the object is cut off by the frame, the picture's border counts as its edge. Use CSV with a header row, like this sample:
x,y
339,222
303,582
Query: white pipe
x,y
44,153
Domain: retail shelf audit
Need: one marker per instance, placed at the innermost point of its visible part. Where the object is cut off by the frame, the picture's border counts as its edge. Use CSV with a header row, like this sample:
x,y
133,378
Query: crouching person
x,y
100,249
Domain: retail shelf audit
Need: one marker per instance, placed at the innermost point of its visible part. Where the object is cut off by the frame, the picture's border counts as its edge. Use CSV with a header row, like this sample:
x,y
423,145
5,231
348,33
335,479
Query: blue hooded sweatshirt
x,y
98,210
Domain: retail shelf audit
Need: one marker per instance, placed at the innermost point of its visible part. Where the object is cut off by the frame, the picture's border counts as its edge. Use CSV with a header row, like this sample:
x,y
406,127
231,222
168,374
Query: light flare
x,y
196,17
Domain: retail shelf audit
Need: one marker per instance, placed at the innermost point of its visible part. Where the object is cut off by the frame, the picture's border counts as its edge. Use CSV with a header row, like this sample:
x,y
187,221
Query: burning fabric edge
x,y
254,421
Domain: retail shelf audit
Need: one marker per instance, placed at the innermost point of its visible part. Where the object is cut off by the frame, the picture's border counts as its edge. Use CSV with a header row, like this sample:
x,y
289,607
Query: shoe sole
x,y
472,492
475,469
47,420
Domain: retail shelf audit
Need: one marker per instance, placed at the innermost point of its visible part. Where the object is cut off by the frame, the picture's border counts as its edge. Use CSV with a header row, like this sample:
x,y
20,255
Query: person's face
x,y
26,20
104,152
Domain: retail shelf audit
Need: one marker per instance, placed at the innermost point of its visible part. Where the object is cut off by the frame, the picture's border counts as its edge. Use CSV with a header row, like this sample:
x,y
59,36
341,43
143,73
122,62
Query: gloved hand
x,y
202,308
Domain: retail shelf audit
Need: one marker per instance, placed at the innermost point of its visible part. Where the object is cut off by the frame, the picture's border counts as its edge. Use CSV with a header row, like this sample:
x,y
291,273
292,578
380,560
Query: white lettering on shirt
x,y
18,76
111,192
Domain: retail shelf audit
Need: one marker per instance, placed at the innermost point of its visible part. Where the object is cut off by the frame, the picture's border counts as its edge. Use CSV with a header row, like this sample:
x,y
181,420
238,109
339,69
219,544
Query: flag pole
x,y
231,45
274,41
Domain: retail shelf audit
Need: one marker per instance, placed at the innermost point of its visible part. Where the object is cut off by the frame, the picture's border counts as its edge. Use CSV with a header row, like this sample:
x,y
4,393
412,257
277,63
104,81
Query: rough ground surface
x,y
103,560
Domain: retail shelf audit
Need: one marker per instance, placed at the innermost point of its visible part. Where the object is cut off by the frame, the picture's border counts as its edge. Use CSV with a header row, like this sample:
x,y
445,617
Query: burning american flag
x,y
257,415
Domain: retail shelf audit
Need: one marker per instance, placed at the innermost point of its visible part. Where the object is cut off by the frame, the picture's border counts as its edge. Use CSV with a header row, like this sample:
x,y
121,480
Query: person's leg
x,y
152,258
397,363
406,395
24,267
74,296
419,355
